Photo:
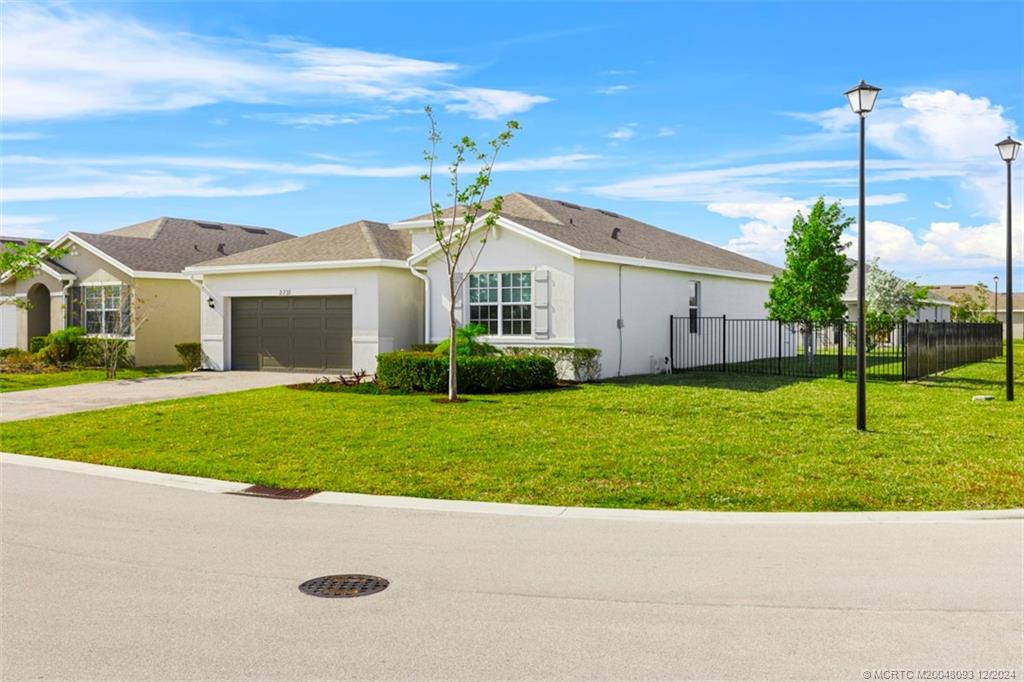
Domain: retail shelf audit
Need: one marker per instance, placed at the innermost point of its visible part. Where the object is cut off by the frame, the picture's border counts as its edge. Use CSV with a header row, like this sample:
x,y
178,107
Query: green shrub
x,y
410,371
423,347
89,353
7,352
20,361
468,342
62,346
191,355
576,364
36,344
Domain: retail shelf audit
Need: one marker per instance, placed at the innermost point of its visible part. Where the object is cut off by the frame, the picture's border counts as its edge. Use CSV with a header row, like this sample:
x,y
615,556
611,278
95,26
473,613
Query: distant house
x,y
995,305
936,308
94,284
553,273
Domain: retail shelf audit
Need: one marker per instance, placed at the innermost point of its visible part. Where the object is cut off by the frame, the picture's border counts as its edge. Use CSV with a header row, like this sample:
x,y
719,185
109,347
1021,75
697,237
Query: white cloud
x,y
487,103
613,90
63,62
21,137
666,131
623,133
143,185
312,120
14,225
165,176
945,205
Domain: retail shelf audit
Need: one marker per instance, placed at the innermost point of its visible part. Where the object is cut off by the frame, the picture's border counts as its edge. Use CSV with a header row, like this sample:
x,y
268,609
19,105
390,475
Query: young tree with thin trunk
x,y
454,234
810,290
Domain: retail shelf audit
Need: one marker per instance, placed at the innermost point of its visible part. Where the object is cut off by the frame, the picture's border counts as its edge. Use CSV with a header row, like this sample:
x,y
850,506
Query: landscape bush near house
x,y
36,344
468,342
63,346
191,355
428,372
572,364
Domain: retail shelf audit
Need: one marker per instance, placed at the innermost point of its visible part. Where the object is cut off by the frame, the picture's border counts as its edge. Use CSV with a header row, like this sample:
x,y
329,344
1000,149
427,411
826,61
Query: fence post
x,y
904,327
841,359
778,324
723,342
671,344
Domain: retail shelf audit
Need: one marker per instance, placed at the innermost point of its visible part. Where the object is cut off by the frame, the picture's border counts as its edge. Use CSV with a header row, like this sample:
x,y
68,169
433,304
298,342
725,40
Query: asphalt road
x,y
112,579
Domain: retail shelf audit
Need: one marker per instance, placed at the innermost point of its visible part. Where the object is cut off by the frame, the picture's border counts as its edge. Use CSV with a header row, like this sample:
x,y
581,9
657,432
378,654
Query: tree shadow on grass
x,y
754,383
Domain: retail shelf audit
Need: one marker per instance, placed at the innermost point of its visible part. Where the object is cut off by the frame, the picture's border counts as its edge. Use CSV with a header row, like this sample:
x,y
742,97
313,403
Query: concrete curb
x,y
210,485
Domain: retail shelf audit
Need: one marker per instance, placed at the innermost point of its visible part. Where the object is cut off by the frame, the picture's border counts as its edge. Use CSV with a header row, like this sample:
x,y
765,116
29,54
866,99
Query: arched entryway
x,y
38,311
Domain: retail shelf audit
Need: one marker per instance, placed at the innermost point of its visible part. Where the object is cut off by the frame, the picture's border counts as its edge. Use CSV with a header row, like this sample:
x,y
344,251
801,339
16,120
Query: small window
x,y
502,302
694,306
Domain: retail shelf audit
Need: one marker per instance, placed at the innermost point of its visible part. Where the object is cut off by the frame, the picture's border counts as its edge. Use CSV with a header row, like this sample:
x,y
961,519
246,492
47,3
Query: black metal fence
x,y
903,351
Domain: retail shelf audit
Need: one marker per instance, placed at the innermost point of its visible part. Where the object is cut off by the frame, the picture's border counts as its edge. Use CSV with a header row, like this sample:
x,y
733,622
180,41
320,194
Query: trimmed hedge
x,y
191,355
575,364
412,371
36,344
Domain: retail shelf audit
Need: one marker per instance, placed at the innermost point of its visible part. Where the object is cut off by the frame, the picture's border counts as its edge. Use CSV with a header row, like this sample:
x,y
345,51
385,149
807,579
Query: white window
x,y
694,304
501,302
102,306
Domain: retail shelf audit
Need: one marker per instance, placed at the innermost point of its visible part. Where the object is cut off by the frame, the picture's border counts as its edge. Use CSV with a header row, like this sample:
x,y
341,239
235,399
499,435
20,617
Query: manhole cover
x,y
344,586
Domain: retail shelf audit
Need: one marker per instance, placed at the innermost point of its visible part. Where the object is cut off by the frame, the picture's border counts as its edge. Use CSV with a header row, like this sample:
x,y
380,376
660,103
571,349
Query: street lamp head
x,y
862,98
1008,149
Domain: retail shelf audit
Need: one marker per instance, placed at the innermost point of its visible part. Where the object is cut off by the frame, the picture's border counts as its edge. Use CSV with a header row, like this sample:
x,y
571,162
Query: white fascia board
x,y
62,276
510,225
147,274
284,267
67,236
411,224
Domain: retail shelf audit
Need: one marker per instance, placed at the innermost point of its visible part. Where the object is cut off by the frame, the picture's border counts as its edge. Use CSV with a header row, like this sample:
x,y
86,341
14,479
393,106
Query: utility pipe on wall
x,y
426,302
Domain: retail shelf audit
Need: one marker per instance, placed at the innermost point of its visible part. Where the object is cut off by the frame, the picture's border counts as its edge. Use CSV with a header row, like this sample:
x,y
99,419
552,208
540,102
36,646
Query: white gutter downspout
x,y
426,302
64,299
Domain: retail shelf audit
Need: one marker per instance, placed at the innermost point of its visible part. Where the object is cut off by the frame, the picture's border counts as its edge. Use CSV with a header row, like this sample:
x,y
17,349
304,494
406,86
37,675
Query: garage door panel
x,y
274,305
303,333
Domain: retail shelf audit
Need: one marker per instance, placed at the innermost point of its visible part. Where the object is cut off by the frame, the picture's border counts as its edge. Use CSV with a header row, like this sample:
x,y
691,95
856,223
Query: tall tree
x,y
817,272
455,233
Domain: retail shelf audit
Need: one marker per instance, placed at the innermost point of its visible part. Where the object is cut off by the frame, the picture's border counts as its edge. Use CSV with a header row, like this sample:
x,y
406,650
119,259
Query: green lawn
x,y
690,441
24,382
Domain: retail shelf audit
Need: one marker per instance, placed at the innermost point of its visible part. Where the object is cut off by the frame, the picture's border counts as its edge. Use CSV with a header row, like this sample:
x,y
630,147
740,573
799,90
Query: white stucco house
x,y
553,273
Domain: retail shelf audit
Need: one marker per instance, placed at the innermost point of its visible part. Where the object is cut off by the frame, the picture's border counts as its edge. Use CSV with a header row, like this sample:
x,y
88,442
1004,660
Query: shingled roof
x,y
360,240
949,290
605,232
172,244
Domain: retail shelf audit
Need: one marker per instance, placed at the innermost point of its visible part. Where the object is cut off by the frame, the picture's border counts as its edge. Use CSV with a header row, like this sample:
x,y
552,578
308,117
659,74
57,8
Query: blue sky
x,y
718,121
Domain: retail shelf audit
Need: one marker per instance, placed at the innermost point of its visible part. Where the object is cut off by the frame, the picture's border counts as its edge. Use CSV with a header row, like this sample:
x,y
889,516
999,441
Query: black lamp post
x,y
995,298
862,101
1008,149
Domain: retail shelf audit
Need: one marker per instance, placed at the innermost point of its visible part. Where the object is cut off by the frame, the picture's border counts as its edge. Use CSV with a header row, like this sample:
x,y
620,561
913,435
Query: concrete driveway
x,y
44,402
110,579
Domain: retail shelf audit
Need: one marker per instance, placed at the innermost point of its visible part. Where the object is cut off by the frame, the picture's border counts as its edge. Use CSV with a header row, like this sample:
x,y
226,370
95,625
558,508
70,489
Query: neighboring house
x,y
936,308
95,284
995,305
553,273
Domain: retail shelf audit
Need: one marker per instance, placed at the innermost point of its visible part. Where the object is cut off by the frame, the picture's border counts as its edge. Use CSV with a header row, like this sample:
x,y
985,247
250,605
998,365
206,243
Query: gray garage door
x,y
300,333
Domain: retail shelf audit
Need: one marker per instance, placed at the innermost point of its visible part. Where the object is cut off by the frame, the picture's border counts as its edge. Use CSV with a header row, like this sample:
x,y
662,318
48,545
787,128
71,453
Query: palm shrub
x,y
468,342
